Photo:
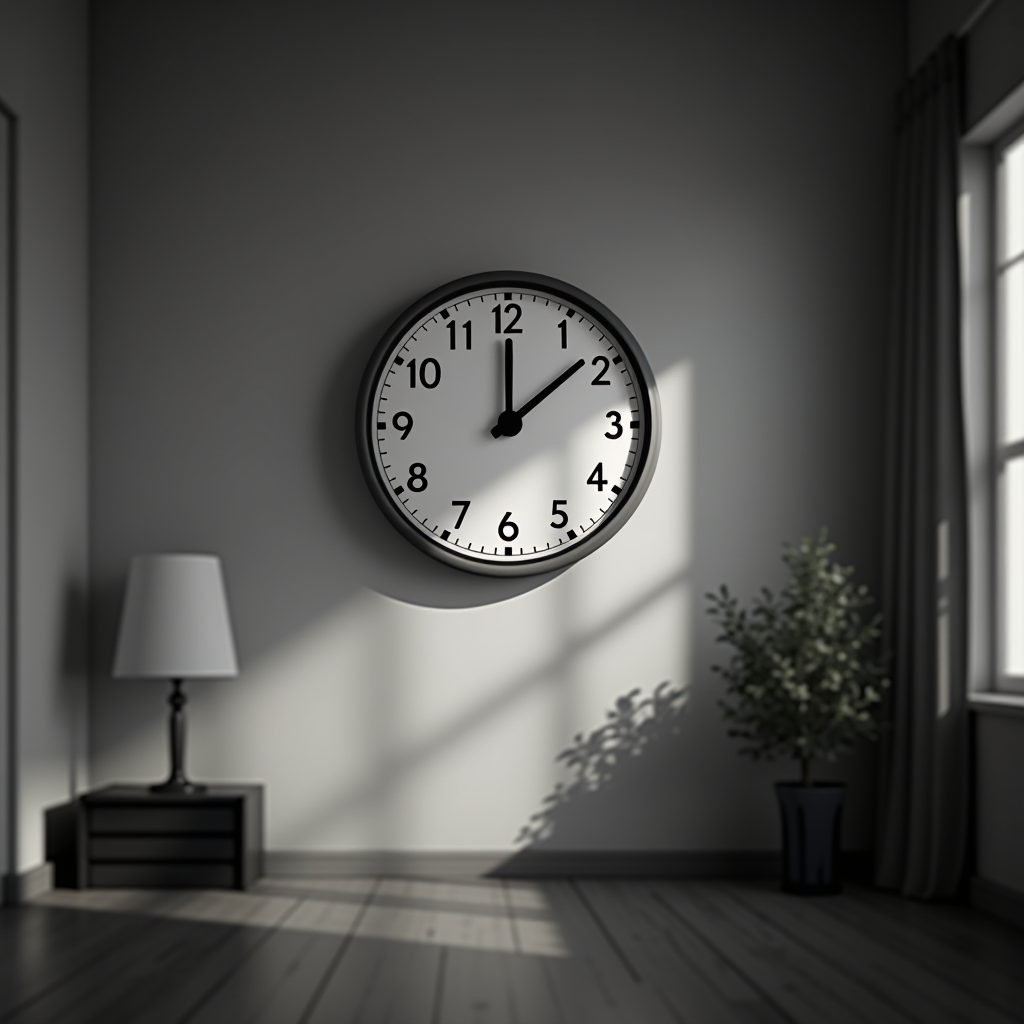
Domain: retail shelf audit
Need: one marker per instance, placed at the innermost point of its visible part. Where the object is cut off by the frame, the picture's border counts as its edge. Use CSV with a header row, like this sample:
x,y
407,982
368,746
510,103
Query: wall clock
x,y
508,423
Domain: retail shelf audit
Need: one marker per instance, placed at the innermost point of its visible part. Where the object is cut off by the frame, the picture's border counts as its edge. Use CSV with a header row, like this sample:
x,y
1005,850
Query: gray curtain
x,y
924,772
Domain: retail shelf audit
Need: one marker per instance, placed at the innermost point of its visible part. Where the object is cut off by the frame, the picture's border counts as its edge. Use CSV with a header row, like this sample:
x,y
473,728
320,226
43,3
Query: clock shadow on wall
x,y
506,424
389,563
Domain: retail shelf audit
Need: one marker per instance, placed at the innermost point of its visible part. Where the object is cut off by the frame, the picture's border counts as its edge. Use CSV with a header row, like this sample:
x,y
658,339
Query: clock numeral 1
x,y
429,375
596,479
561,328
467,327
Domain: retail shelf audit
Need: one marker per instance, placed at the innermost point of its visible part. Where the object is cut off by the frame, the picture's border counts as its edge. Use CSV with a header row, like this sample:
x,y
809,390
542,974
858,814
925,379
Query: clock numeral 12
x,y
510,327
467,327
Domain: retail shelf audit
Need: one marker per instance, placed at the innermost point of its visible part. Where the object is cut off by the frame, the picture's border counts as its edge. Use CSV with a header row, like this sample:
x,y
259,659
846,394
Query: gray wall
x,y
274,183
43,77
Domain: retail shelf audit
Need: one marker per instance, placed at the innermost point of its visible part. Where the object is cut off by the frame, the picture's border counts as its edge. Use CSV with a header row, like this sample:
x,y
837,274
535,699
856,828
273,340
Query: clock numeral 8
x,y
507,530
417,477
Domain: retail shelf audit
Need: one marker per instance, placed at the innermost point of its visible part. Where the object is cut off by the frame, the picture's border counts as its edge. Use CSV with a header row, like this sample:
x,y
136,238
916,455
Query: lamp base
x,y
173,786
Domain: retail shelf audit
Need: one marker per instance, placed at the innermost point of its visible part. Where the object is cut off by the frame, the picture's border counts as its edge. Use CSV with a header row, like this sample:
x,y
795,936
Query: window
x,y
1009,410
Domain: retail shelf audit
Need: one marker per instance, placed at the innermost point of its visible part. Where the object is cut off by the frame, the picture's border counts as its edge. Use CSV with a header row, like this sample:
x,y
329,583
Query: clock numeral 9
x,y
429,375
507,530
402,421
616,419
467,327
561,518
510,327
417,477
596,479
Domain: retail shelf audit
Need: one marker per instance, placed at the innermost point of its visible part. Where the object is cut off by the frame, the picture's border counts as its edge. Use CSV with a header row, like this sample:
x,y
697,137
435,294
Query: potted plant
x,y
804,681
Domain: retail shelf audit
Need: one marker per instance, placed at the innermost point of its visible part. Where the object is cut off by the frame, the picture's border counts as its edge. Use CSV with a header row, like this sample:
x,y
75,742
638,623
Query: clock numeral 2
x,y
467,327
510,327
596,478
599,379
429,375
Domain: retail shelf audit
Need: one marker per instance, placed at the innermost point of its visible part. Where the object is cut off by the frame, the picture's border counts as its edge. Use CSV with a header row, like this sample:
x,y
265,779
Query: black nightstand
x,y
129,837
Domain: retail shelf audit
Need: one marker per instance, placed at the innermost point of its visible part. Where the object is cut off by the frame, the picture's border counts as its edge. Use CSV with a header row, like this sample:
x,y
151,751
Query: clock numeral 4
x,y
510,327
429,373
417,477
596,479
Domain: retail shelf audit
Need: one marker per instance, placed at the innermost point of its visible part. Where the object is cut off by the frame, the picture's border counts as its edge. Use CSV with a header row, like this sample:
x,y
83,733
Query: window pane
x,y
1012,315
1013,198
1013,566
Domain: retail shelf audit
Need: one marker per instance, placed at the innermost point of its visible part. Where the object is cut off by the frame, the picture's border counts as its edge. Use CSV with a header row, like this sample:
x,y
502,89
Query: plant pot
x,y
811,819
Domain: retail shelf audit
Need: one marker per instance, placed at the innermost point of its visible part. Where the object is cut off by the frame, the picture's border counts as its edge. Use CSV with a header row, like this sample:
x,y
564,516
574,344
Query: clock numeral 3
x,y
561,518
510,327
417,477
429,375
616,419
402,421
507,530
596,478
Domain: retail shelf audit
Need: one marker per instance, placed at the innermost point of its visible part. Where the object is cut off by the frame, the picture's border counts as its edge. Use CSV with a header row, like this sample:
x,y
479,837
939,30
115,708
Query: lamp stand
x,y
177,783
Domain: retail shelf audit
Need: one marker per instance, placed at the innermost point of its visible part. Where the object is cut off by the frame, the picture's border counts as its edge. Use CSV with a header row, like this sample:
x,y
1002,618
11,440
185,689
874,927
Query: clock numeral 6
x,y
402,421
417,477
429,375
616,419
561,518
510,327
507,530
596,479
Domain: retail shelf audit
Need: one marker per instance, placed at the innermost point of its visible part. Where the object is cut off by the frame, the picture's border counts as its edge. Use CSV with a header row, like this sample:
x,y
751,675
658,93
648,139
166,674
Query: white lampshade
x,y
174,623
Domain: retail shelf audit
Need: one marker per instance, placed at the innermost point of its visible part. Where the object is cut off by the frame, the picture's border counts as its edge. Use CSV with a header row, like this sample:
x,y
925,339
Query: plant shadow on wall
x,y
610,769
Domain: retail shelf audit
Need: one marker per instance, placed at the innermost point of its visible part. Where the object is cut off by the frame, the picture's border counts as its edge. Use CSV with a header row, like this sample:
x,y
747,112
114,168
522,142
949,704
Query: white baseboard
x,y
998,900
20,888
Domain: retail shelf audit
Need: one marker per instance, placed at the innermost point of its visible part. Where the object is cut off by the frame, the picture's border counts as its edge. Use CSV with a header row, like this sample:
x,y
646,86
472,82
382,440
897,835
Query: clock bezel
x,y
647,392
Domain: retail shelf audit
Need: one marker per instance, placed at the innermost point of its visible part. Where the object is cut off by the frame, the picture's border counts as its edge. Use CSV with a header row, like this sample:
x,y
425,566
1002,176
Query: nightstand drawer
x,y
144,848
173,819
141,876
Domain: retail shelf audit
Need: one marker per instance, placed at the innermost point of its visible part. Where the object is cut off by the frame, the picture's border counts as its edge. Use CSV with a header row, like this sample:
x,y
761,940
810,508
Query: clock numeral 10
x,y
467,327
429,375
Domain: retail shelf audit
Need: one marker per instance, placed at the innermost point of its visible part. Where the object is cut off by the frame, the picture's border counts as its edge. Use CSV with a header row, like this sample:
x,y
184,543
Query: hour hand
x,y
510,423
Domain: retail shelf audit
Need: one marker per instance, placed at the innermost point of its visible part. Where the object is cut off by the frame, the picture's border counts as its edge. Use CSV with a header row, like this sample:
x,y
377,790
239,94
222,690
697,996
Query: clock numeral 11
x,y
467,327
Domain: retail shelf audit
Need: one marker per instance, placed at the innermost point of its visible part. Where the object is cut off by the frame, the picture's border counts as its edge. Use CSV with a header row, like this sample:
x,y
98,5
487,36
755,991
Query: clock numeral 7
x,y
510,327
462,514
561,518
467,327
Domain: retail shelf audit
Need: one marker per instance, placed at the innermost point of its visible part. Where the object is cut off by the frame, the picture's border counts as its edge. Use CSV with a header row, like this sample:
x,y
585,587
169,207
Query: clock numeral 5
x,y
596,479
507,530
561,518
429,375
510,327
417,477
616,419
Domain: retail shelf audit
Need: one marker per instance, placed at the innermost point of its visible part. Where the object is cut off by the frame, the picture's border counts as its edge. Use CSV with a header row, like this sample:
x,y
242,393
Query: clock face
x,y
508,423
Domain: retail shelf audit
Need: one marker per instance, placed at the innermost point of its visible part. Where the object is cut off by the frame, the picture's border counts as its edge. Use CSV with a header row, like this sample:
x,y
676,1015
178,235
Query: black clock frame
x,y
647,393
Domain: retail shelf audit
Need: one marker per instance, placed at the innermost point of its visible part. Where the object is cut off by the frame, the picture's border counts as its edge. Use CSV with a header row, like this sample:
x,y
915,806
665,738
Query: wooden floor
x,y
445,952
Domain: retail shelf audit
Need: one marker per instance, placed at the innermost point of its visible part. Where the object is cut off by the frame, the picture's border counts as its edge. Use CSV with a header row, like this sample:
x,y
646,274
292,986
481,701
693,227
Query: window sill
x,y
1009,704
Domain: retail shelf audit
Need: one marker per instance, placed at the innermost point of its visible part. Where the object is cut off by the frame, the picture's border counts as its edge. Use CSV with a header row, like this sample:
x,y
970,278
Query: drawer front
x,y
148,820
163,876
161,848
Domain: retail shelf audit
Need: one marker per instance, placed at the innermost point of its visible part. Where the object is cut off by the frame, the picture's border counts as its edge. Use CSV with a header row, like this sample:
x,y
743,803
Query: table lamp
x,y
175,625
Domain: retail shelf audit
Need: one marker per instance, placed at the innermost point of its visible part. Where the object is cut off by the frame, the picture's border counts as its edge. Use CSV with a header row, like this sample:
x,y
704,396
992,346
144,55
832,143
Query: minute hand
x,y
498,430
